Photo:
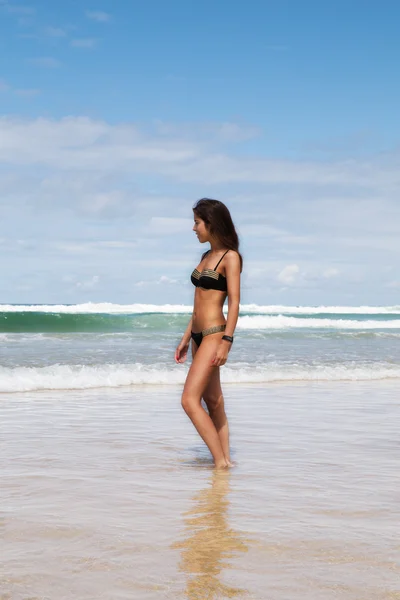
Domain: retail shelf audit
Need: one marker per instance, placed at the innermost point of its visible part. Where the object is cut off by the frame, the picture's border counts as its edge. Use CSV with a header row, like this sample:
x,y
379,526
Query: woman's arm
x,y
232,269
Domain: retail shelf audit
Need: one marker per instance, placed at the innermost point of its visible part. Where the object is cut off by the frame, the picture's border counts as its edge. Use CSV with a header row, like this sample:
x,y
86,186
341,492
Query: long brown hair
x,y
219,223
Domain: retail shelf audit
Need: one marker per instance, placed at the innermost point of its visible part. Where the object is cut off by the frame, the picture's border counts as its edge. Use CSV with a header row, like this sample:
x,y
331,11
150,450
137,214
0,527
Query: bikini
x,y
209,279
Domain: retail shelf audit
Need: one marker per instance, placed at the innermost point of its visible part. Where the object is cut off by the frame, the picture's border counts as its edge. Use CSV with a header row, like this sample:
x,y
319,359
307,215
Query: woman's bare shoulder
x,y
232,257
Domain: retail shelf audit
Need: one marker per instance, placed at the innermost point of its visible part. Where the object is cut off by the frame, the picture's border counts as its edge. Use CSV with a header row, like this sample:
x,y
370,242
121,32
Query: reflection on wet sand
x,y
209,542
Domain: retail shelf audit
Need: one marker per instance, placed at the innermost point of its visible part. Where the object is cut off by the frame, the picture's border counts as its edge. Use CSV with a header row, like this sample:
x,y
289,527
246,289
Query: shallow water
x,y
110,494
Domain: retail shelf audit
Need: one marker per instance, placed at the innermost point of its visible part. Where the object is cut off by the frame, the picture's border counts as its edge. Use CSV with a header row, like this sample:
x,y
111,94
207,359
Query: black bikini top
x,y
209,279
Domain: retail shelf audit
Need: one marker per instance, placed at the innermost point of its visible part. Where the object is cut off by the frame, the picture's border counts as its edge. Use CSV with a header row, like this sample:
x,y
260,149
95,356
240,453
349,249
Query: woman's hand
x,y
221,355
181,352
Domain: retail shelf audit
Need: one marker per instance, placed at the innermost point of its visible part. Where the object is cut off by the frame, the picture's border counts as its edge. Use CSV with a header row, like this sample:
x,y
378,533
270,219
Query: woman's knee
x,y
214,402
189,403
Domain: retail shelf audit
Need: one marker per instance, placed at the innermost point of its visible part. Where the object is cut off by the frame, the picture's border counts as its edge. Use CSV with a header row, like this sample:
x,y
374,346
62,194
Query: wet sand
x,y
110,494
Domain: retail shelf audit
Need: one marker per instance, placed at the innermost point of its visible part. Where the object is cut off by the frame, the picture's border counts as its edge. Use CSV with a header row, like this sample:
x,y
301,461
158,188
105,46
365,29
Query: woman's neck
x,y
216,246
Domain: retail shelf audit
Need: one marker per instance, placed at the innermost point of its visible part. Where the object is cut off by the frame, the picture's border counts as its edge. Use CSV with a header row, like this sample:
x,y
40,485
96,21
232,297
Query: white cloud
x,y
74,282
328,273
93,167
167,280
218,168
395,284
93,247
221,132
115,244
288,274
81,143
88,194
260,230
97,195
163,280
89,283
83,43
298,240
98,15
169,225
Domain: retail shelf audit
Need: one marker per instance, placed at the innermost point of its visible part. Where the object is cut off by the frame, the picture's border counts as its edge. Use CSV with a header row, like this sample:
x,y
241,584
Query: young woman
x,y
216,277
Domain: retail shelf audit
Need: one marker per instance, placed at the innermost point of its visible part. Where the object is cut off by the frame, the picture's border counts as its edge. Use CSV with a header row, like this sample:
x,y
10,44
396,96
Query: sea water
x,y
108,345
108,492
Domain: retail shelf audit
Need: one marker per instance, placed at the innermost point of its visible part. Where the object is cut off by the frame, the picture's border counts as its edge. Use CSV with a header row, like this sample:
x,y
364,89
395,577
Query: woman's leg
x,y
214,399
196,382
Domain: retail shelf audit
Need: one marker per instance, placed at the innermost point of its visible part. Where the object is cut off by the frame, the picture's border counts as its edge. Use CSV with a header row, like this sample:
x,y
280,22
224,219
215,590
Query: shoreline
x,y
226,384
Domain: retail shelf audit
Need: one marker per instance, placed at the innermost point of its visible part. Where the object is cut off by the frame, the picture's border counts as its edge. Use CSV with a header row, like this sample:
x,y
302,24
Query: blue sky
x,y
115,117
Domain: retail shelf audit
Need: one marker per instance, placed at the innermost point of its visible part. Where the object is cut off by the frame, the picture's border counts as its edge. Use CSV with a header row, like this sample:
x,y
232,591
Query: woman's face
x,y
200,228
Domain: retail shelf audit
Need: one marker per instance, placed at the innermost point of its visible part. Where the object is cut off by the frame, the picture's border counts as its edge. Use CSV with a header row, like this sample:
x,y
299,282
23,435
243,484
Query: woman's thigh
x,y
201,371
213,392
194,348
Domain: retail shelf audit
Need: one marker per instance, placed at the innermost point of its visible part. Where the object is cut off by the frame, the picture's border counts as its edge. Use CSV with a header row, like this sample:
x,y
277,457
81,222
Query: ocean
x,y
109,345
107,491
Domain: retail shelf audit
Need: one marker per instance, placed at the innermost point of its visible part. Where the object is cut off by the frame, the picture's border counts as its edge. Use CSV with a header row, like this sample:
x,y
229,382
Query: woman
x,y
216,277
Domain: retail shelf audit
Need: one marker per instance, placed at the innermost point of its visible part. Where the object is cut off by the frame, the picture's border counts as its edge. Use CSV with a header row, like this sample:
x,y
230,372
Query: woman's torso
x,y
208,303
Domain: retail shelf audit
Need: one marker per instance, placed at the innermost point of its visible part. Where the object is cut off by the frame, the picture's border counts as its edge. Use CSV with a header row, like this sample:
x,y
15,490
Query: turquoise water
x,y
109,345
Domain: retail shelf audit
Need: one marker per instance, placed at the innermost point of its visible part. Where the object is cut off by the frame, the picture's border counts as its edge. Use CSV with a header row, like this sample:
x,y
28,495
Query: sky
x,y
115,117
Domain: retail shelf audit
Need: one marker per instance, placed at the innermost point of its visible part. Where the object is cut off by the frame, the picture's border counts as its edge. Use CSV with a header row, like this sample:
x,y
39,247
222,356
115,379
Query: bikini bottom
x,y
197,337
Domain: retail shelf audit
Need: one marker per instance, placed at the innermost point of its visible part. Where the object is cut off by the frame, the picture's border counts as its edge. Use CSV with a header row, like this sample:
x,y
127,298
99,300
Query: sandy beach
x,y
110,494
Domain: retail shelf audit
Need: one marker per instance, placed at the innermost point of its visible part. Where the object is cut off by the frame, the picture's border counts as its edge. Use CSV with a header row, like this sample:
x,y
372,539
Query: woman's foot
x,y
224,464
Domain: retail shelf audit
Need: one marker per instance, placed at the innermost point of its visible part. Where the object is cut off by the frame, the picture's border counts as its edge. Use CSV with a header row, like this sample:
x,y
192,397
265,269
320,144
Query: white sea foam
x,y
110,308
69,377
283,322
311,310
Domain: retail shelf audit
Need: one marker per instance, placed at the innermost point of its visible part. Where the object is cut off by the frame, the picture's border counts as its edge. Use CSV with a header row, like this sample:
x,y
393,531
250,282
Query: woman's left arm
x,y
232,269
